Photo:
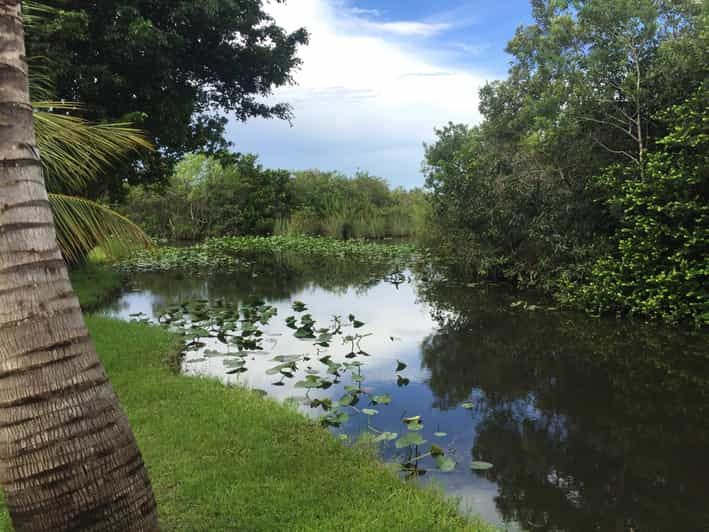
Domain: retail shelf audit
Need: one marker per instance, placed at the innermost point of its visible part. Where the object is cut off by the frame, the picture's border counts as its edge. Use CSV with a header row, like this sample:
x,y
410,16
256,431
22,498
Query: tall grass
x,y
344,219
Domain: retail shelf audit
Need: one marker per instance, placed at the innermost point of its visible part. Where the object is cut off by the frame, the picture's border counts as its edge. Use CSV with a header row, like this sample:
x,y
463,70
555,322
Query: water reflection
x,y
591,425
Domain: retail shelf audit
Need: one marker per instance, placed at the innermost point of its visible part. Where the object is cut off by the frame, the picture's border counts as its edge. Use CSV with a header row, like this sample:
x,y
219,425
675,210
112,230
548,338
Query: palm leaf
x,y
36,12
75,151
83,224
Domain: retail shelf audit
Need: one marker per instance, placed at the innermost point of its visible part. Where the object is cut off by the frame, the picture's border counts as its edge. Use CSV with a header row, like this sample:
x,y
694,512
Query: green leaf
x,y
287,358
436,450
468,406
348,400
400,366
299,306
445,464
481,466
304,333
82,225
440,434
386,436
370,411
277,369
384,399
411,438
415,426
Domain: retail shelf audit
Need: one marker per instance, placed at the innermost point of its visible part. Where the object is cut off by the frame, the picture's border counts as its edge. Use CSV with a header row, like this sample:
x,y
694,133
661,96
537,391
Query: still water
x,y
591,425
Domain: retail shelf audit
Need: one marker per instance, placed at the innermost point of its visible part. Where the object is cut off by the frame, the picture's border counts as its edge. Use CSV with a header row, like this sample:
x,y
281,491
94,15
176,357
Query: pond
x,y
552,420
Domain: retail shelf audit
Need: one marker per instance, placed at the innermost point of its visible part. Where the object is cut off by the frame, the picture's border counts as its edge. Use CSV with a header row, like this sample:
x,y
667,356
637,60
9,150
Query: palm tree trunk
x,y
68,459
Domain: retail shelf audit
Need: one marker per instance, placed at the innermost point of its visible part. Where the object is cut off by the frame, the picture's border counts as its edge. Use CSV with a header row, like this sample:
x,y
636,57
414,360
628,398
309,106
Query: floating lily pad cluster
x,y
235,326
229,254
240,329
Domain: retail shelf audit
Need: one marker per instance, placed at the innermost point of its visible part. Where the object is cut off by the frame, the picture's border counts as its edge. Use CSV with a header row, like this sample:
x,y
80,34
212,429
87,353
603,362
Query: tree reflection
x,y
274,277
591,425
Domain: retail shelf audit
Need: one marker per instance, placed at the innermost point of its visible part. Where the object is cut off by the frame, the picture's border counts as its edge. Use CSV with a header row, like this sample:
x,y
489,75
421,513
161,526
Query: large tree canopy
x,y
588,175
174,67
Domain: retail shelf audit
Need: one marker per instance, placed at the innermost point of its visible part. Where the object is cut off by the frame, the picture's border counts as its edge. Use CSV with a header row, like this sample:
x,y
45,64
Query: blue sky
x,y
377,78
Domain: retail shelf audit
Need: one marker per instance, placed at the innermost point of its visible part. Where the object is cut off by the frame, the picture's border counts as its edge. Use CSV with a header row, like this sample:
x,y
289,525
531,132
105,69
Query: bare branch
x,y
617,152
611,124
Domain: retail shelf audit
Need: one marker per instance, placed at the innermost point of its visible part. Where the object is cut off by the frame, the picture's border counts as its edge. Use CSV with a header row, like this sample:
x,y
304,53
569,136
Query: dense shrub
x,y
659,265
588,175
208,197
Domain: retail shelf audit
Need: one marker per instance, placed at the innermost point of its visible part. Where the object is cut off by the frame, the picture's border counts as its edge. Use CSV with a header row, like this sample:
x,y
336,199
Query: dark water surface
x,y
592,425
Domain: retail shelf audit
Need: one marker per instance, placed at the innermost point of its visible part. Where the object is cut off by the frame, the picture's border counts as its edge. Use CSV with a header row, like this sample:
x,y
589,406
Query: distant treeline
x,y
233,196
589,175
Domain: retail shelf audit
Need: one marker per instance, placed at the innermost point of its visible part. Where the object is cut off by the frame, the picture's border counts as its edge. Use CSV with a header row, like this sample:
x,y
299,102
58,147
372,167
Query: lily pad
x,y
445,464
287,358
386,436
481,466
415,426
411,438
370,411
384,399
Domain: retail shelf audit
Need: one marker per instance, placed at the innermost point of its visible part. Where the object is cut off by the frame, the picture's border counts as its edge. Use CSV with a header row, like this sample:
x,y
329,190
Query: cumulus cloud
x,y
370,92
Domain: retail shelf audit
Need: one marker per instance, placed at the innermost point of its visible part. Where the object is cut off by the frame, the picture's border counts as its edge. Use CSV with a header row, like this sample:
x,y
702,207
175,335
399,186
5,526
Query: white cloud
x,y
420,29
368,95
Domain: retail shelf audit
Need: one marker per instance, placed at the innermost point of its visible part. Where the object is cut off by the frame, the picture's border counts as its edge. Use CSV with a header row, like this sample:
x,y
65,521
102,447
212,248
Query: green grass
x,y
95,285
226,459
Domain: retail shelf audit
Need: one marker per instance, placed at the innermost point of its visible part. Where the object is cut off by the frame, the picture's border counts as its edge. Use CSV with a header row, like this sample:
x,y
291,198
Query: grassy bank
x,y
226,459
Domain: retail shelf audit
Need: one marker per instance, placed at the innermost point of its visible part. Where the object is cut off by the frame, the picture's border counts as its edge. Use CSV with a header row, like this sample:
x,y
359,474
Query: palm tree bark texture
x,y
68,458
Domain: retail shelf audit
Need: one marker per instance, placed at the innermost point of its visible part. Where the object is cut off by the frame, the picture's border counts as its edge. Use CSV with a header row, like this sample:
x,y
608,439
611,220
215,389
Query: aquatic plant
x,y
233,253
241,327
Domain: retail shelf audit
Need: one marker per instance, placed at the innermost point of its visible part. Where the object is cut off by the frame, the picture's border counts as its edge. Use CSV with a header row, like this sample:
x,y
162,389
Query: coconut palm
x,y
73,153
68,459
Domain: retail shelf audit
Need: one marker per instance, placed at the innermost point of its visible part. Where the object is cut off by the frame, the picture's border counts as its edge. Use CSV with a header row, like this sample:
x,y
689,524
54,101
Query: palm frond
x,y
75,151
36,12
41,79
83,224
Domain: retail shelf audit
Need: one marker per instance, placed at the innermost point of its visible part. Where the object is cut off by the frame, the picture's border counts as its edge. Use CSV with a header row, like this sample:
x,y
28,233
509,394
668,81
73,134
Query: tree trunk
x,y
68,459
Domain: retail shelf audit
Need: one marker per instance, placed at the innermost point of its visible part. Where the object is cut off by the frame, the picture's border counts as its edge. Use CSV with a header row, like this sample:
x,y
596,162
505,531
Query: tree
x,y
69,459
571,172
174,67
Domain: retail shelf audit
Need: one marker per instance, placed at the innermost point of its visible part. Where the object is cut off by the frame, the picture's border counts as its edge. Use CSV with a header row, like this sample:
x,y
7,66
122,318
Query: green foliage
x,y
172,66
206,197
330,204
230,253
82,225
234,195
571,182
95,286
74,151
659,266
265,465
